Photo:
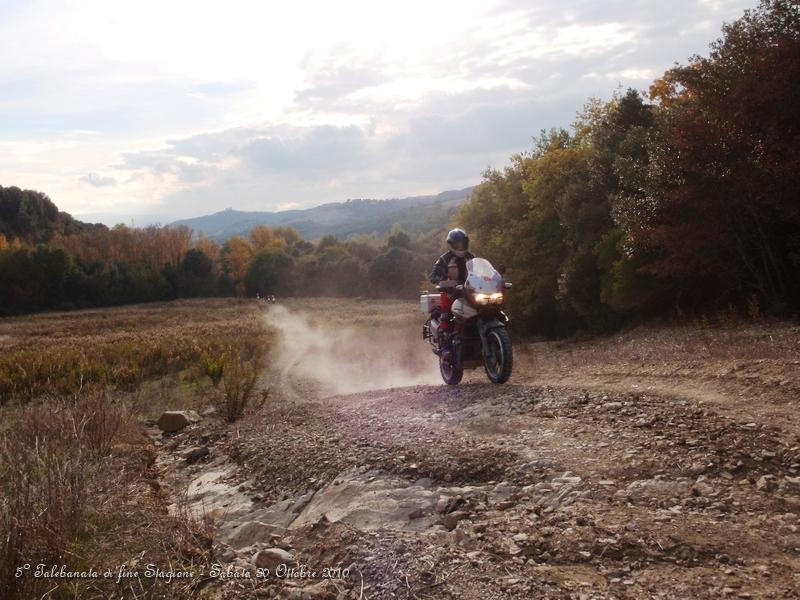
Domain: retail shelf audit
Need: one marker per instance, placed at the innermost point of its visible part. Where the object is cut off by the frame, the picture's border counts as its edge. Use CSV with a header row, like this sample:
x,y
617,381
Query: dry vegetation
x,y
78,482
119,348
82,484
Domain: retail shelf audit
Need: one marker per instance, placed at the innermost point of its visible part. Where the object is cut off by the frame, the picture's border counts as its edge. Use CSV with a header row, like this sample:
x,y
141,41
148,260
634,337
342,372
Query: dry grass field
x,y
78,485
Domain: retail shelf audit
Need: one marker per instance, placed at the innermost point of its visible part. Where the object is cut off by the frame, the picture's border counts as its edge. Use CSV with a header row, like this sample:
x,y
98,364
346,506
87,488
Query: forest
x,y
80,265
677,201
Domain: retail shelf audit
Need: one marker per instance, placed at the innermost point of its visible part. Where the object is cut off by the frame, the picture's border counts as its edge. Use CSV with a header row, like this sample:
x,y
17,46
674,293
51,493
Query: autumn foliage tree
x,y
721,184
685,202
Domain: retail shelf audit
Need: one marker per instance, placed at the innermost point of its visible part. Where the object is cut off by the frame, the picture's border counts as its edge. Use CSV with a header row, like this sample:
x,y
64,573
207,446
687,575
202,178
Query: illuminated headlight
x,y
495,298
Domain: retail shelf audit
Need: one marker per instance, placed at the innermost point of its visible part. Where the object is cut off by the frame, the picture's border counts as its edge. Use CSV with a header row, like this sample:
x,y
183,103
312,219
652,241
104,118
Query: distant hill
x,y
342,219
32,217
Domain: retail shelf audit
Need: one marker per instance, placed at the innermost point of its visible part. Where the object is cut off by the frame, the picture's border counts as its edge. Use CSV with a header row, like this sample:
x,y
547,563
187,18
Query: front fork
x,y
482,329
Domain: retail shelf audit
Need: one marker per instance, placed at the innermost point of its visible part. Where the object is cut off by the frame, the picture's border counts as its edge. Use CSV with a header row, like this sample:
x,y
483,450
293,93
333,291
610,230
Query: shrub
x,y
99,422
43,494
239,383
214,367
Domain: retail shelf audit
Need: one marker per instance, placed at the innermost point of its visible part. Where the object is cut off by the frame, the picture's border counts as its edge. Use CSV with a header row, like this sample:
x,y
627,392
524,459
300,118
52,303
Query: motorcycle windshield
x,y
482,276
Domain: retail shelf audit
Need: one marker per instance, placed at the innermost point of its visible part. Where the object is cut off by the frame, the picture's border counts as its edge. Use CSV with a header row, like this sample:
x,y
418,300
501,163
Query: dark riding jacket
x,y
439,271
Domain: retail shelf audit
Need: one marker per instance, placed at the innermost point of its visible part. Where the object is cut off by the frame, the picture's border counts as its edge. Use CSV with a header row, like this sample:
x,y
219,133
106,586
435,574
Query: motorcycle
x,y
478,332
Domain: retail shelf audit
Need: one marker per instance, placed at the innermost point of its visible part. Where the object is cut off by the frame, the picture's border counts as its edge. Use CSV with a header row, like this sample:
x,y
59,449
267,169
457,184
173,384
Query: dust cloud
x,y
343,358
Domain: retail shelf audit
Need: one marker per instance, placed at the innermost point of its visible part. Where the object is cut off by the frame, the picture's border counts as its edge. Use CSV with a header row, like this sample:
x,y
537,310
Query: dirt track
x,y
597,472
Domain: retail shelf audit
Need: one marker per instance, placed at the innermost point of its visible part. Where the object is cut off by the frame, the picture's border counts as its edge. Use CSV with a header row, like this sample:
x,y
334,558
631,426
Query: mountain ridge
x,y
350,218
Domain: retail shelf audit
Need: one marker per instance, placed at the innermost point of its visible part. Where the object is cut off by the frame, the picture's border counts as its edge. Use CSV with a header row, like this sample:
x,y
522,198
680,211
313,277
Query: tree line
x,y
681,202
99,266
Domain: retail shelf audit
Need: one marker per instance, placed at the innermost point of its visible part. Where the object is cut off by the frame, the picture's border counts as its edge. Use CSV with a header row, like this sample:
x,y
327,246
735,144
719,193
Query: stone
x,y
504,490
252,532
417,514
195,454
370,501
209,492
450,520
644,489
224,553
464,533
174,420
702,488
512,549
767,483
792,483
272,557
453,504
696,469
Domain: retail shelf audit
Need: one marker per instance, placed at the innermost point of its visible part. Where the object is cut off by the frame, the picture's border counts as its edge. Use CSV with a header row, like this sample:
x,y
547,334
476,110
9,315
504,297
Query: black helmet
x,y
458,242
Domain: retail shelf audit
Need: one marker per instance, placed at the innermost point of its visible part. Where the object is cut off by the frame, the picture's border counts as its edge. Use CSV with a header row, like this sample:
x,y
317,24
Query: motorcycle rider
x,y
452,265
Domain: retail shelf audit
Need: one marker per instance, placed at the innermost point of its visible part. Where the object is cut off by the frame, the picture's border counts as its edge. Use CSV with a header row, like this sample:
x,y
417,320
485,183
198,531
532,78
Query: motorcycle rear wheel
x,y
499,369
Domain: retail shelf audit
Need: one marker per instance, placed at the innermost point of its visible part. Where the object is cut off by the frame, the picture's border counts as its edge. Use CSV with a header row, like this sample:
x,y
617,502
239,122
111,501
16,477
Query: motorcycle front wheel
x,y
500,359
450,373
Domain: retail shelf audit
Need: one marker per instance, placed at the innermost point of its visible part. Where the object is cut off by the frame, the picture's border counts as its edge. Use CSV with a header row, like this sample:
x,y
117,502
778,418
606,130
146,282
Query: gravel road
x,y
599,471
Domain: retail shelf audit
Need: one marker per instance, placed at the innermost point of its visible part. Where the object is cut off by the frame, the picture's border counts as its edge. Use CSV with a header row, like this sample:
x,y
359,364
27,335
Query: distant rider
x,y
452,266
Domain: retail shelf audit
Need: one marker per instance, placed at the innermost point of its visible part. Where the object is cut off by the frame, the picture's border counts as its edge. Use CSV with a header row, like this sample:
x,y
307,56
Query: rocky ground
x,y
598,472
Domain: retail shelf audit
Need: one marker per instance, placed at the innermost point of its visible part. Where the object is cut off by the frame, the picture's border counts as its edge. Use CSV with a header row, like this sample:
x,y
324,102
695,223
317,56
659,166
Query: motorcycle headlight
x,y
497,297
482,298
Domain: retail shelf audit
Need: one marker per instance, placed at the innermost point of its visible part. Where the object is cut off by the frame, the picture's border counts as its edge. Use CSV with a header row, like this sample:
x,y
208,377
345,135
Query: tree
x,y
263,237
399,239
33,279
269,272
338,273
207,247
195,275
611,135
326,242
236,254
718,213
397,273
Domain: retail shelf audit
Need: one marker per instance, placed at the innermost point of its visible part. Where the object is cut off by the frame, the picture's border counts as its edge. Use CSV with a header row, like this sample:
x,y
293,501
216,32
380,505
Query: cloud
x,y
307,151
258,106
262,168
98,180
339,72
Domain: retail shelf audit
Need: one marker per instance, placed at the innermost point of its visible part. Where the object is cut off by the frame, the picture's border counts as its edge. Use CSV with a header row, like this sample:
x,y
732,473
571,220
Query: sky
x,y
155,110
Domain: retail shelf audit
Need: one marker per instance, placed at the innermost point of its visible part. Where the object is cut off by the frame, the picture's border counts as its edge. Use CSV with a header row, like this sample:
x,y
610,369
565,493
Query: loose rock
x,y
175,420
271,558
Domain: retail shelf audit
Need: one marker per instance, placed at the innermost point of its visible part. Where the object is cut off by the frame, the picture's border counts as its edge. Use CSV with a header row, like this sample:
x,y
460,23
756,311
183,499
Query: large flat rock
x,y
370,501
